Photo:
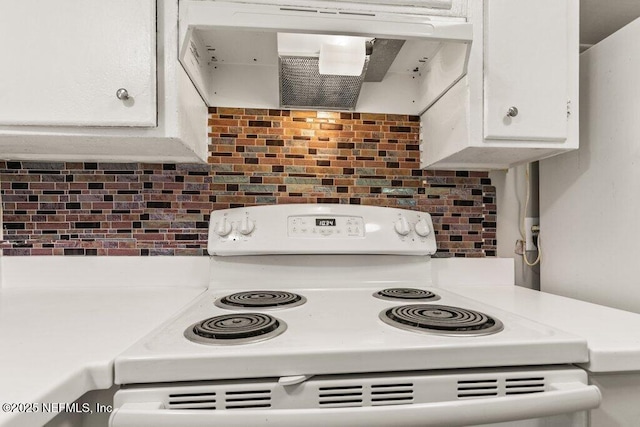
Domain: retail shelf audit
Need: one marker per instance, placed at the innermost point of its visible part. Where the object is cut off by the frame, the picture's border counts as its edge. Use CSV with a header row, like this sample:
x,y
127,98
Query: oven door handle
x,y
563,398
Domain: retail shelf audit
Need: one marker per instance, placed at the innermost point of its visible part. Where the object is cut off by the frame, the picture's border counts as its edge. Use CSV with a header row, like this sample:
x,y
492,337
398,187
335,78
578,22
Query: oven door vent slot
x,y
192,401
247,399
524,385
366,395
340,396
221,399
488,387
391,394
477,388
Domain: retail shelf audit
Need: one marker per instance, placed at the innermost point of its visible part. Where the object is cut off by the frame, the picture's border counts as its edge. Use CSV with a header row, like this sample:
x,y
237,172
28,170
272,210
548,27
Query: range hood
x,y
271,53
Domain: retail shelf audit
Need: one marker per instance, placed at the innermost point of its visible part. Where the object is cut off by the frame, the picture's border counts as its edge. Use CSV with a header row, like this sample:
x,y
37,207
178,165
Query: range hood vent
x,y
321,71
302,85
431,7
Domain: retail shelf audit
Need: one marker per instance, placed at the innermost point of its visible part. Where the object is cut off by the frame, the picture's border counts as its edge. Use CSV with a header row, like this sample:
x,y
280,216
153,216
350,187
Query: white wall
x,y
590,198
511,188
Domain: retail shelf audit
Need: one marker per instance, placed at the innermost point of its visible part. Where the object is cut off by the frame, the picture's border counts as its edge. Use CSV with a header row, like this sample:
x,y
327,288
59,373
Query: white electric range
x,y
325,315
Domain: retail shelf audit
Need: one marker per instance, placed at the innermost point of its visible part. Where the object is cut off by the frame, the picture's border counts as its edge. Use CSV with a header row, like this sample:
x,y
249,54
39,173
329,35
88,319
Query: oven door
x,y
541,397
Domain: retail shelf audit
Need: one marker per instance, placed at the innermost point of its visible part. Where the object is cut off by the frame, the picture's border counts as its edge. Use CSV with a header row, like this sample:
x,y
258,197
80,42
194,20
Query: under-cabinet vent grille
x,y
391,394
193,401
493,387
337,12
340,396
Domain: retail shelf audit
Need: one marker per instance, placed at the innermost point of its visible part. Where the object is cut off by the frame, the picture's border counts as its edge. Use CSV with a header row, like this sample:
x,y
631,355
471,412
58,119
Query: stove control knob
x,y
402,226
223,227
422,228
246,226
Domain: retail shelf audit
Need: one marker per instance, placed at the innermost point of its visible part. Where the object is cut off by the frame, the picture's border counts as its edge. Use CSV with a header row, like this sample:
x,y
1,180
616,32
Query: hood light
x,y
344,59
337,55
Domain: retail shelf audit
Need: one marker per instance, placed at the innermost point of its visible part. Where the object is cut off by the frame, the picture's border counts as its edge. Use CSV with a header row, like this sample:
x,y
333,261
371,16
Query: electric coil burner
x,y
406,294
441,319
261,300
239,328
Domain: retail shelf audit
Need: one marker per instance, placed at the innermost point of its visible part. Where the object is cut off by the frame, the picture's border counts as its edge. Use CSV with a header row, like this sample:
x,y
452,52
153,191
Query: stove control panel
x,y
323,227
231,227
320,229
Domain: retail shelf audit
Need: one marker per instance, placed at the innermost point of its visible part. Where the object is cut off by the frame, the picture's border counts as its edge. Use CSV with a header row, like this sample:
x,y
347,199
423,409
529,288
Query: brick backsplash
x,y
256,157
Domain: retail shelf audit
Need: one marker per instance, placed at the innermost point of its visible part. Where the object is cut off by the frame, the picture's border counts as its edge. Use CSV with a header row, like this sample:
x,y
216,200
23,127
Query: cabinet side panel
x,y
620,395
192,117
445,126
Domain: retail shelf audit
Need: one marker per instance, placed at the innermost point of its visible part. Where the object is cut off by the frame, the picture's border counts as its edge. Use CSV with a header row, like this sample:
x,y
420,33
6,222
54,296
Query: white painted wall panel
x,y
589,199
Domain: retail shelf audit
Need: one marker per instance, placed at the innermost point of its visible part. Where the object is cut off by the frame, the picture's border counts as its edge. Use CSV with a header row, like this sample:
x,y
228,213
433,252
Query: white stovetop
x,y
338,331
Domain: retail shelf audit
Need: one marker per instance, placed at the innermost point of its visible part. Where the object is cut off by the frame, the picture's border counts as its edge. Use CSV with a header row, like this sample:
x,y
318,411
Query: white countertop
x,y
57,344
611,334
63,320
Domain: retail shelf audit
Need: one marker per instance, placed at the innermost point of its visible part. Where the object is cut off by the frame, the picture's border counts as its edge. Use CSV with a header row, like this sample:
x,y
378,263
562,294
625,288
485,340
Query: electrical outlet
x,y
530,242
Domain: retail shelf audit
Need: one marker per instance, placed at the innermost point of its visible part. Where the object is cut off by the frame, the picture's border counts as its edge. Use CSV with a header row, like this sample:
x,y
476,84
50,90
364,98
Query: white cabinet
x,y
525,67
63,62
517,102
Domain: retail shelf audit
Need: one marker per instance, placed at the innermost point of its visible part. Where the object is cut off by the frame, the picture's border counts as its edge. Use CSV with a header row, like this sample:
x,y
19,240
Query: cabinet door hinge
x,y
568,109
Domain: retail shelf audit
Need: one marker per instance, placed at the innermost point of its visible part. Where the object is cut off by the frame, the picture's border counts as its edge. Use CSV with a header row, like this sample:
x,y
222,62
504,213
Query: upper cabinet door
x,y
63,62
525,65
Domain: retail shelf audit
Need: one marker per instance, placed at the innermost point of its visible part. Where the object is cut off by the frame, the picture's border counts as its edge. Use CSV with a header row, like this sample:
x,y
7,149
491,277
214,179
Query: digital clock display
x,y
325,222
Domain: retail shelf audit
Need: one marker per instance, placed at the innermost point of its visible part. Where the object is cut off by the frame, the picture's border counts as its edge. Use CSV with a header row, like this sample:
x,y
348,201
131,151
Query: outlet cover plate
x,y
528,225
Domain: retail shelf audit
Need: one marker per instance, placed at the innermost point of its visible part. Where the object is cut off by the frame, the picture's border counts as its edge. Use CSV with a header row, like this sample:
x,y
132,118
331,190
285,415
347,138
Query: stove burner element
x,y
260,300
441,319
406,294
239,328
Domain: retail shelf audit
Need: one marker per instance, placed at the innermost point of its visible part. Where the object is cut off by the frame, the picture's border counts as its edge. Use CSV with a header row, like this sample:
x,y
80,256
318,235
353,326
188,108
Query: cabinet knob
x,y
512,112
122,94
